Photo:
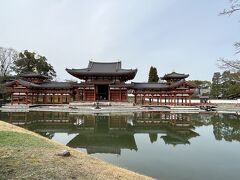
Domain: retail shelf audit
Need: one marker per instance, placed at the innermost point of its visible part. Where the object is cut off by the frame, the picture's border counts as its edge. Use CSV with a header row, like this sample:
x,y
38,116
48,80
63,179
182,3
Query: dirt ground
x,y
26,155
228,107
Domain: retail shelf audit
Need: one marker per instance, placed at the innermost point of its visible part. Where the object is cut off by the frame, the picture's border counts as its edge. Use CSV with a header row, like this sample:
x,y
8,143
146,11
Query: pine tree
x,y
153,76
226,83
150,74
216,85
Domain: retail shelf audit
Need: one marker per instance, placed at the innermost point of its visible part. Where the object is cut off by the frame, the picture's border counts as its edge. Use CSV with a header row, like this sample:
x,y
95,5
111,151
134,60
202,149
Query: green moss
x,y
16,139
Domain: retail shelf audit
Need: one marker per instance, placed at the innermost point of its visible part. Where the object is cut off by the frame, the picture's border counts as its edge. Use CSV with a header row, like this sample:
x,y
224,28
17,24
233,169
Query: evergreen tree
x,y
229,85
216,85
30,62
150,74
153,75
226,83
233,89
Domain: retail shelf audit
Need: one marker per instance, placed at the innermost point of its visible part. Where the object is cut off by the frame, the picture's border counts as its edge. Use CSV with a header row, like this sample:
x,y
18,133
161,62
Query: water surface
x,y
159,144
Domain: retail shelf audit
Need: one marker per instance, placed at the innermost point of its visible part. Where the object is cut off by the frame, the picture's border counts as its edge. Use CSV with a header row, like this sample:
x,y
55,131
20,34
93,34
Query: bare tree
x,y
7,57
234,6
232,65
237,47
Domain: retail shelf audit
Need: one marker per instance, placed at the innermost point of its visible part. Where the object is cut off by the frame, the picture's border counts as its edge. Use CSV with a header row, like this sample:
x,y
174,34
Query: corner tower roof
x,y
175,75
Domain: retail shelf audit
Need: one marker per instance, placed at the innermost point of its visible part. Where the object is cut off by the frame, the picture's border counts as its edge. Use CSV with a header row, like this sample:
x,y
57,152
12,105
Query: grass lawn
x,y
27,155
17,139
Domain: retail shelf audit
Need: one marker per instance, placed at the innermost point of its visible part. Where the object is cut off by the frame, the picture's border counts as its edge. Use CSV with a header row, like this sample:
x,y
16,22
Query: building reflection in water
x,y
109,133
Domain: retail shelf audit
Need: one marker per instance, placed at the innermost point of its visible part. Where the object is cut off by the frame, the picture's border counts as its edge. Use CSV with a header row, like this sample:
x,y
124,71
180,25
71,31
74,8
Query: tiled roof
x,y
27,83
103,69
175,75
136,85
146,85
54,84
104,66
45,85
33,75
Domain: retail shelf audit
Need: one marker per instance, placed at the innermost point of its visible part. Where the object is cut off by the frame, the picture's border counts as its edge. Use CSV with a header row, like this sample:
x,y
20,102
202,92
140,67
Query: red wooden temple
x,y
175,91
35,88
101,82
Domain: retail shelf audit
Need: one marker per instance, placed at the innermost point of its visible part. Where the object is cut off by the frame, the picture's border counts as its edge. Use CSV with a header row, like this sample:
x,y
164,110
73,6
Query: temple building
x,y
175,91
102,81
32,88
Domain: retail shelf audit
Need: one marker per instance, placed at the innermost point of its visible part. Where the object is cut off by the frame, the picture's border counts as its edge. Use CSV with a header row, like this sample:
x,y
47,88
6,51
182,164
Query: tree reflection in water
x,y
160,144
226,127
109,133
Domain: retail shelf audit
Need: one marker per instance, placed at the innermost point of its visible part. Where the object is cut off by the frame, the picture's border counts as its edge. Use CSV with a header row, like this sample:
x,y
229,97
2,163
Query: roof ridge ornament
x,y
90,65
119,65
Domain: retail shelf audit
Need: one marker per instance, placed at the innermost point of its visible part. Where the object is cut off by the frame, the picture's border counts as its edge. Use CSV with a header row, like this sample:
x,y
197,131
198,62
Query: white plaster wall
x,y
219,101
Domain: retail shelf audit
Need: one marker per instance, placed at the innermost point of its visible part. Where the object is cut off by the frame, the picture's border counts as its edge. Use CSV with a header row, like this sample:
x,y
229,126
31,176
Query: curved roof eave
x,y
77,73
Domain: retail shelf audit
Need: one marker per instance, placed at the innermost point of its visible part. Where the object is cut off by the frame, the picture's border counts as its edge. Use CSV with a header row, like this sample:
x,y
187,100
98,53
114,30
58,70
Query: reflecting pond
x,y
159,144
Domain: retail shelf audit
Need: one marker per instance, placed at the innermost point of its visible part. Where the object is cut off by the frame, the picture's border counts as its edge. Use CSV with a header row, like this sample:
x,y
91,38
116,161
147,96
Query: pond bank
x,y
222,108
25,155
101,109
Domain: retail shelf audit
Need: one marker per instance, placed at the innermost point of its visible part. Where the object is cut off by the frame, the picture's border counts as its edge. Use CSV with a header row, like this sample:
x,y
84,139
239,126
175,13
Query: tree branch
x,y
231,65
235,6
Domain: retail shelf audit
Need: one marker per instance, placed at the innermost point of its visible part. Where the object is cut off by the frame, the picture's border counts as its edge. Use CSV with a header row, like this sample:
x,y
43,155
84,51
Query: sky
x,y
186,36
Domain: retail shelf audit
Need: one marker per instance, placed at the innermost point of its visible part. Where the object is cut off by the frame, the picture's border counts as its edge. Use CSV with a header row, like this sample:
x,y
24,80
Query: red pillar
x,y
37,99
61,99
11,98
171,99
32,98
53,100
135,98
160,99
18,98
44,98
109,94
94,93
120,97
175,100
26,101
143,98
84,98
